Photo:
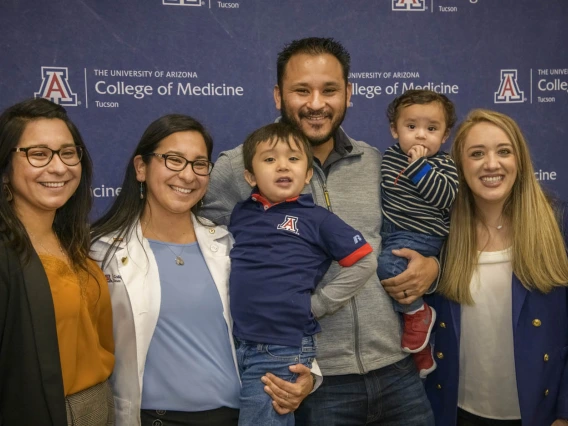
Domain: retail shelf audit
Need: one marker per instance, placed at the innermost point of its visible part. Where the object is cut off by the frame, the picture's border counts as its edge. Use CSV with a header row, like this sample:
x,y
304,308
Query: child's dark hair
x,y
422,97
274,133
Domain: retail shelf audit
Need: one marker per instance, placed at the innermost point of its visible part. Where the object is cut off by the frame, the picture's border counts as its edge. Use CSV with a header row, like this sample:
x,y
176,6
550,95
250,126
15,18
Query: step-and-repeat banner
x,y
117,65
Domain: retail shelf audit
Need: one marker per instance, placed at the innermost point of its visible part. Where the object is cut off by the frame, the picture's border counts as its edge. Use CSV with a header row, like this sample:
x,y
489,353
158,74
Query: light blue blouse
x,y
190,365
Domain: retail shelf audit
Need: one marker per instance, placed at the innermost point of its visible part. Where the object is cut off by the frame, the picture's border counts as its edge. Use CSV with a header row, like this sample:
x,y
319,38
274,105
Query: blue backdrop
x,y
119,64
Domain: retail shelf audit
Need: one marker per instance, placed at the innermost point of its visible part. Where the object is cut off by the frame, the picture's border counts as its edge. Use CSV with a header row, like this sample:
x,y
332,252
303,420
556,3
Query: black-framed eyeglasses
x,y
177,163
41,156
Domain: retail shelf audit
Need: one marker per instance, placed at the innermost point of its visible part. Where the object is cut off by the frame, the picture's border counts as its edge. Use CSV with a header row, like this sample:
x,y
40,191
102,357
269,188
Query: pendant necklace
x,y
498,227
178,259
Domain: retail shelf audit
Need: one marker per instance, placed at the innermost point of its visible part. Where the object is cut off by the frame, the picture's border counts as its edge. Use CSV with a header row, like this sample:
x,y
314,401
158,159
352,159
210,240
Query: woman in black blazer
x,y
56,347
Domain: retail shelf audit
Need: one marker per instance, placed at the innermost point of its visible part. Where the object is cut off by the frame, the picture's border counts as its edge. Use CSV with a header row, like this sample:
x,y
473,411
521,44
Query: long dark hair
x,y
71,220
126,210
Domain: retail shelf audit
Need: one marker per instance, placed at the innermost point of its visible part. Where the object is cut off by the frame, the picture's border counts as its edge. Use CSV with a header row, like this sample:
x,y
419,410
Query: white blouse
x,y
487,381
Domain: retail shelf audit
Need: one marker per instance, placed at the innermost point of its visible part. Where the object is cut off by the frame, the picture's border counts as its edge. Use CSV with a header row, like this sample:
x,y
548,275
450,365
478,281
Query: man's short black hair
x,y
313,46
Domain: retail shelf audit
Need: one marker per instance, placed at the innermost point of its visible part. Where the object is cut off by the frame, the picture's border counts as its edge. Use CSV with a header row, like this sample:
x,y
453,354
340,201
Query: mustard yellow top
x,y
83,317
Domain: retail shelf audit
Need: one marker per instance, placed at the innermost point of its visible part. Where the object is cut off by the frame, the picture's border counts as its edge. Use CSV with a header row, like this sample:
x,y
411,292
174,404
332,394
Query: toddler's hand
x,y
416,152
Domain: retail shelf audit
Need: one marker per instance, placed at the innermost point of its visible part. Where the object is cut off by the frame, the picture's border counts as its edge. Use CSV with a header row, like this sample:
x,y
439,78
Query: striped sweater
x,y
418,196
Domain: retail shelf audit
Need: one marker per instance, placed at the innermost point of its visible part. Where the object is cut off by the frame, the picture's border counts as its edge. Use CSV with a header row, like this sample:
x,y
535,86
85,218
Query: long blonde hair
x,y
539,254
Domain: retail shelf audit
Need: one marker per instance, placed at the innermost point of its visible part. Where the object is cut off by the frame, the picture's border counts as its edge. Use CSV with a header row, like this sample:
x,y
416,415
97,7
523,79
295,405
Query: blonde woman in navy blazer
x,y
501,210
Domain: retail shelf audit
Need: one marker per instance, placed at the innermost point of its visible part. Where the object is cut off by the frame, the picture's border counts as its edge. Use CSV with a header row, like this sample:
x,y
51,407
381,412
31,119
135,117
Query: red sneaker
x,y
424,361
417,329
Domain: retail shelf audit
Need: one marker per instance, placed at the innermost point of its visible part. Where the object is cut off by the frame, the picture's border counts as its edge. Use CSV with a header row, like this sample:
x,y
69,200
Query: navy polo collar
x,y
302,199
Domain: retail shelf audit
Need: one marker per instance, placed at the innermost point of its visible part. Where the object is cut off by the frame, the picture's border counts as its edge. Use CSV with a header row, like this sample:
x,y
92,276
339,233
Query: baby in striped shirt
x,y
419,185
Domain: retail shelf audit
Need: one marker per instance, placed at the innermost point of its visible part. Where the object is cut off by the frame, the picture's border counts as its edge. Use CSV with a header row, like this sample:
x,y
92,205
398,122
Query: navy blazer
x,y
540,335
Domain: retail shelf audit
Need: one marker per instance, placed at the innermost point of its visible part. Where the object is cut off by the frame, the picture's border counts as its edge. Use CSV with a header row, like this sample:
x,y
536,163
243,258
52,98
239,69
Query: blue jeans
x,y
394,238
390,396
257,359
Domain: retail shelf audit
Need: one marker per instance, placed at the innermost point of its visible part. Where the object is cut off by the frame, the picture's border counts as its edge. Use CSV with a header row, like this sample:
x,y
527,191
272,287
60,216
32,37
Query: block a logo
x,y
182,2
55,86
290,224
409,5
509,91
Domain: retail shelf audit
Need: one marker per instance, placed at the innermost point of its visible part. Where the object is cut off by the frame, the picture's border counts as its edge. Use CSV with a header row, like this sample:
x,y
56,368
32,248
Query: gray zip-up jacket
x,y
364,334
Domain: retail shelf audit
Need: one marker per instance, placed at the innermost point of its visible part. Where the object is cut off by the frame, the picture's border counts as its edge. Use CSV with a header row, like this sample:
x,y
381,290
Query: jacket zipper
x,y
321,179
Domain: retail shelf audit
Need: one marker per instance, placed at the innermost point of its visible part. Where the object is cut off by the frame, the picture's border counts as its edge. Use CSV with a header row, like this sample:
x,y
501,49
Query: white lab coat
x,y
134,285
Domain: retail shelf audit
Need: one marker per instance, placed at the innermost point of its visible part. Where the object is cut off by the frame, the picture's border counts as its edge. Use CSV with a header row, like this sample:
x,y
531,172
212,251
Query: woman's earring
x,y
7,192
201,203
141,190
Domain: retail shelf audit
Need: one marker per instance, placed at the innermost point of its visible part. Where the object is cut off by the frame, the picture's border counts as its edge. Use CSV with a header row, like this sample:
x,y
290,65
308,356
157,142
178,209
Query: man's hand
x,y
411,284
286,396
416,152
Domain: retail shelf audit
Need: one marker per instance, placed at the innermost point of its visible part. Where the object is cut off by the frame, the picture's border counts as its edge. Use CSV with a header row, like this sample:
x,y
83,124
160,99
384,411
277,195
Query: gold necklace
x,y
46,249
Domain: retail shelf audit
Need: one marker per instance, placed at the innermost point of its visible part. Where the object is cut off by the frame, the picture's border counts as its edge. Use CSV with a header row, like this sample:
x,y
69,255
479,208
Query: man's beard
x,y
320,140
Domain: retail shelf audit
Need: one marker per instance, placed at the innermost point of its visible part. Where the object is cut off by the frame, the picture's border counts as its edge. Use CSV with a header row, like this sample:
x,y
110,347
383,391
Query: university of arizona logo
x,y
409,5
55,86
509,92
290,224
113,278
182,2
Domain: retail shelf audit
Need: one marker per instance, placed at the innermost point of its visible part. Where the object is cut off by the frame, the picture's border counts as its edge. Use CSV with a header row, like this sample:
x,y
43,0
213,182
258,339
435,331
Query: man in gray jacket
x,y
368,380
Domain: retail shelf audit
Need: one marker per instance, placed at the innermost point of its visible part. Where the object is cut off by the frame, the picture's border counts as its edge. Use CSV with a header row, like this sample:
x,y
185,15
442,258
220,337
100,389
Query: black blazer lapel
x,y
42,316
